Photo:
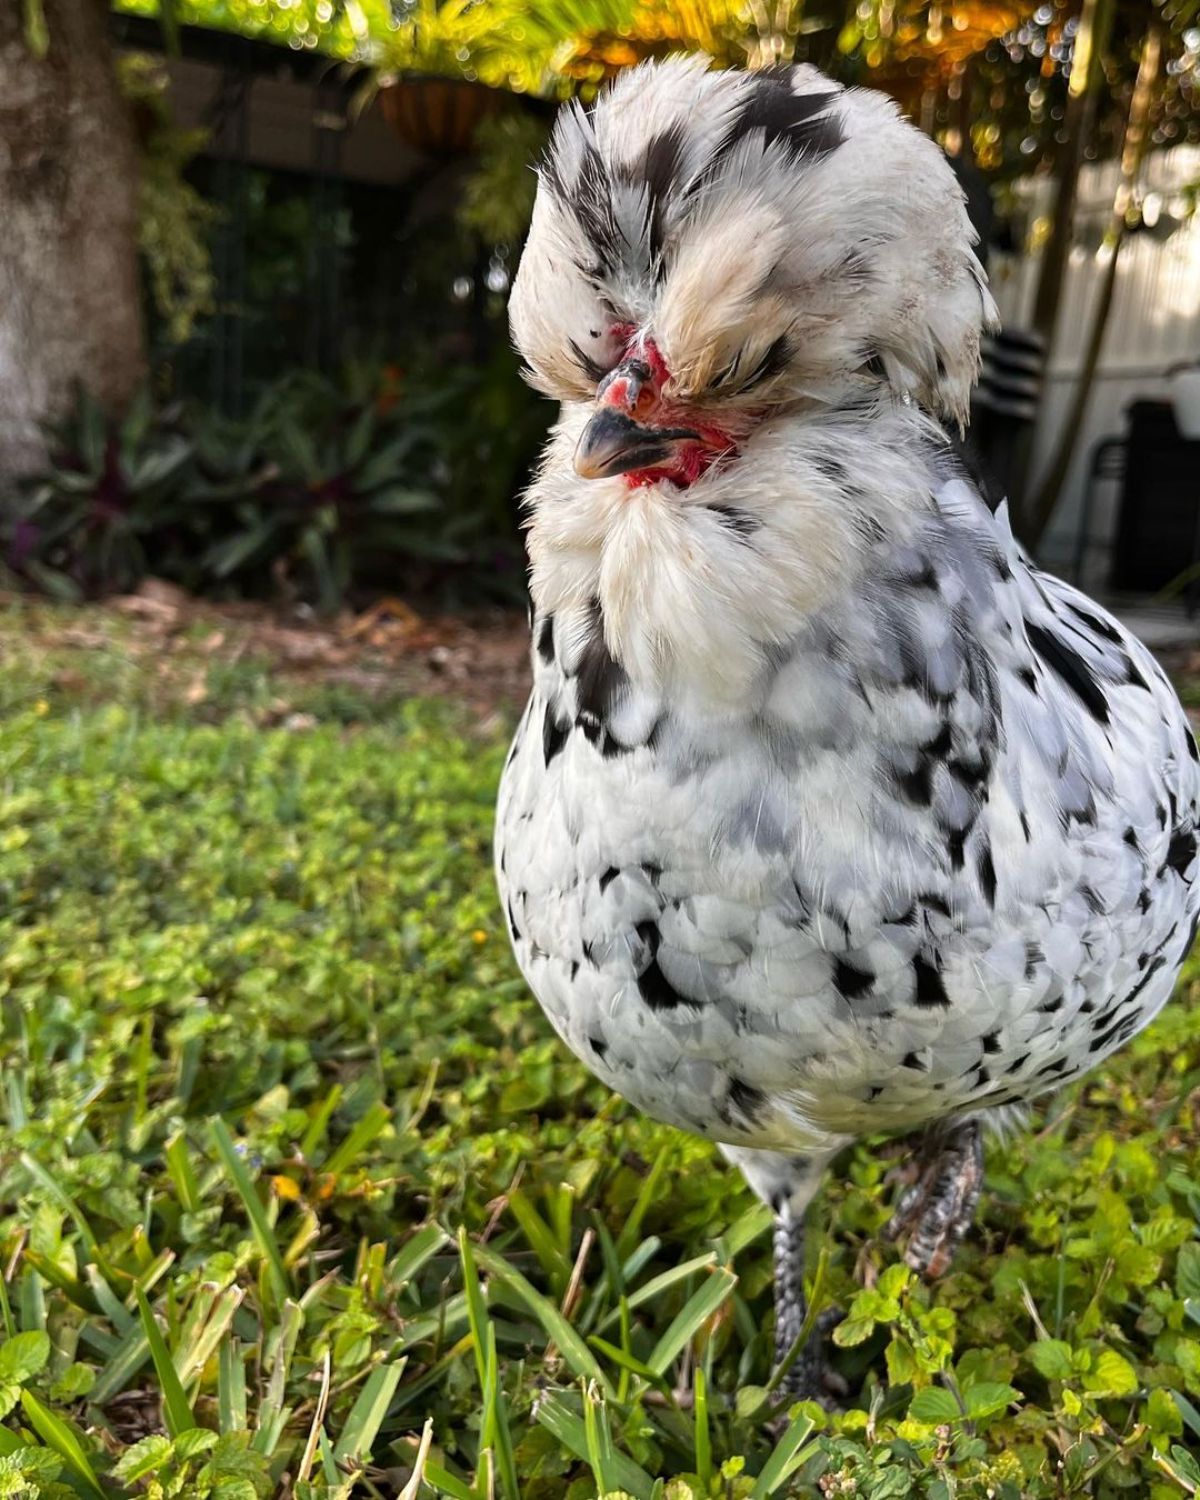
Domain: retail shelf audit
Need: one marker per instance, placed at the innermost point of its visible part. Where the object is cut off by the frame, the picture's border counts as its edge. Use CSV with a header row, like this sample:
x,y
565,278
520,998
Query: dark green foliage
x,y
290,1164
323,490
114,494
326,492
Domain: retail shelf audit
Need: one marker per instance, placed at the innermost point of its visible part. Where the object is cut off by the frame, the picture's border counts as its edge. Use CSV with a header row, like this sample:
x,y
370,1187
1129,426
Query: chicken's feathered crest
x,y
778,234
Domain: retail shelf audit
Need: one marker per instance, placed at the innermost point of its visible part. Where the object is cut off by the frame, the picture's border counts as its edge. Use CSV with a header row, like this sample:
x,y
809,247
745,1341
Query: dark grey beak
x,y
613,443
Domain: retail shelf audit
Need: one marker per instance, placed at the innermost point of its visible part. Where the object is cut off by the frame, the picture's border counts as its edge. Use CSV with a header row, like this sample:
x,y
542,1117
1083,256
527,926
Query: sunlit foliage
x,y
986,76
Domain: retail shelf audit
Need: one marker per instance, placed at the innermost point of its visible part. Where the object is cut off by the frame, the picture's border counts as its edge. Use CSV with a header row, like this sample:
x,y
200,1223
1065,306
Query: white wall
x,y
1155,323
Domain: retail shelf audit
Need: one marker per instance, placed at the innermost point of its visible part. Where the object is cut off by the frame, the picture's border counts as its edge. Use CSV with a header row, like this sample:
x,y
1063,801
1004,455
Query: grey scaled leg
x,y
938,1206
787,1183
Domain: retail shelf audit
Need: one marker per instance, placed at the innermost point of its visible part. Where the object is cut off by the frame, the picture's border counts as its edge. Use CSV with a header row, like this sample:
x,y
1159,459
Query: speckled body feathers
x,y
943,863
829,813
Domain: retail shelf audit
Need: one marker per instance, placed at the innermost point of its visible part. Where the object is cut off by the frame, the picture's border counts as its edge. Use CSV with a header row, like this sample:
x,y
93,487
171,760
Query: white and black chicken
x,y
829,814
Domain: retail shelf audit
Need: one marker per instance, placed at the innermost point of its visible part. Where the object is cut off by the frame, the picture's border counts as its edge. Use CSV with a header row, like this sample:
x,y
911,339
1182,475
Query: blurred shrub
x,y
174,221
327,492
497,199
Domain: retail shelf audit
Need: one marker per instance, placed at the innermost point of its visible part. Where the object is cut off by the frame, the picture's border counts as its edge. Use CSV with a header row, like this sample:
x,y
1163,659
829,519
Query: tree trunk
x,y
70,299
1087,80
1137,131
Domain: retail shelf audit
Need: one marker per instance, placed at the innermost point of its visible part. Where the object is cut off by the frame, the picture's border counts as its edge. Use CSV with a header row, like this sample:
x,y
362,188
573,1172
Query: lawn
x,y
293,1172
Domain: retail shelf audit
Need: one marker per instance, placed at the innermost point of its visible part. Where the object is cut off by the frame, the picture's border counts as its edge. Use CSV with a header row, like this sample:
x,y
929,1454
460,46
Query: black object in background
x,y
1004,408
1158,528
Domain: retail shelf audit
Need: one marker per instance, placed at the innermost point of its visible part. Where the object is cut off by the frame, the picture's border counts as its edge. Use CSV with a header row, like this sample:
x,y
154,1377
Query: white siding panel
x,y
1154,324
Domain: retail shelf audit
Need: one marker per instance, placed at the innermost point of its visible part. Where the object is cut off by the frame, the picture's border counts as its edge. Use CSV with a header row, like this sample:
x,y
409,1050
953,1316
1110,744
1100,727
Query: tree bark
x,y
70,299
1137,130
1087,80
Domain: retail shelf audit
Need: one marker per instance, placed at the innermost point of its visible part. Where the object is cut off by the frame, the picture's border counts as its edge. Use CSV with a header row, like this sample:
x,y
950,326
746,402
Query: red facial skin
x,y
643,401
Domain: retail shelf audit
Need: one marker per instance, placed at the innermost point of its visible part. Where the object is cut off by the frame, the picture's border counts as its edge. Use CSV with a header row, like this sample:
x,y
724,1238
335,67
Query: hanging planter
x,y
439,116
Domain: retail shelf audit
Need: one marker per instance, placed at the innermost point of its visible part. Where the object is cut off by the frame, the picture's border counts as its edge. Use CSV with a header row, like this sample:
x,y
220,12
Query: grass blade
x,y
179,1166
703,1441
625,1360
637,1260
657,1285
627,1239
572,1434
212,1336
753,1224
477,1316
291,1320
367,1414
785,1457
541,1240
691,1318
71,1287
120,1369
231,1387
576,1353
599,1441
421,1247
152,1274
55,1433
497,1434
271,1423
255,1212
372,1124
187,1328
176,1409
441,1479
319,1123
107,1300
272,1416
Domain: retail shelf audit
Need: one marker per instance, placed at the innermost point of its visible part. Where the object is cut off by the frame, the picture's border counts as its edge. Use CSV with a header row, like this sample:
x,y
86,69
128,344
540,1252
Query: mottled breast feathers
x,y
944,861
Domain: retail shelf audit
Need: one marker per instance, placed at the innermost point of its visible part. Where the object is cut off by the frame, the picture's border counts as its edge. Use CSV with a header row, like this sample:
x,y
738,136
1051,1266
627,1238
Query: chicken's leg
x,y
938,1206
787,1183
809,1377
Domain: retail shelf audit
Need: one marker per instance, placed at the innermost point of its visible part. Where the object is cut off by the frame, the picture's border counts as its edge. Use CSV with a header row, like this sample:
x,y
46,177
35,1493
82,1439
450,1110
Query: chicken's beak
x,y
613,443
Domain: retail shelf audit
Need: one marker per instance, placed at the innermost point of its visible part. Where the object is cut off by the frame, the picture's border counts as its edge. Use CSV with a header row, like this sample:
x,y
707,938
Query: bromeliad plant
x,y
327,492
113,502
324,492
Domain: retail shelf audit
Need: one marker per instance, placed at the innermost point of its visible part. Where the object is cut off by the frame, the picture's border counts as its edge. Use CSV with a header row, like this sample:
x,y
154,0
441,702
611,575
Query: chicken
x,y
830,814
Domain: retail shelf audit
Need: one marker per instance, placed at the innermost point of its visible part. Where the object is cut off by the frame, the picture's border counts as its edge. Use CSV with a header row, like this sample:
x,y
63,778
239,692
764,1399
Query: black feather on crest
x,y
661,163
803,123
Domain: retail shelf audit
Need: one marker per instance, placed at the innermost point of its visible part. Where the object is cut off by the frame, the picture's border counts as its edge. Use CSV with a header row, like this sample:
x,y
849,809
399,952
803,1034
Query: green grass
x,y
292,1171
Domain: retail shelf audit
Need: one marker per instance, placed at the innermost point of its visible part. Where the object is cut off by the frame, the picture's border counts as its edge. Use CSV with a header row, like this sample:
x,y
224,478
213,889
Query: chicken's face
x,y
710,249
750,292
646,426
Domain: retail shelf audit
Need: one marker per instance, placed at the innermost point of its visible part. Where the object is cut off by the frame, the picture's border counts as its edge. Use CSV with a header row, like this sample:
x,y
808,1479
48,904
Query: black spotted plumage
x,y
803,124
1062,658
832,815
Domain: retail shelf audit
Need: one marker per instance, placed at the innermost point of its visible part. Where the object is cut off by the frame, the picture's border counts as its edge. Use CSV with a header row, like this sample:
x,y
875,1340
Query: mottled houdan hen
x,y
830,814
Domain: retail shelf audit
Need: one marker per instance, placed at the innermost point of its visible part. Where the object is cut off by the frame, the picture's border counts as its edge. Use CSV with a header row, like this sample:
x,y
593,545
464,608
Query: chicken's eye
x,y
602,348
591,367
